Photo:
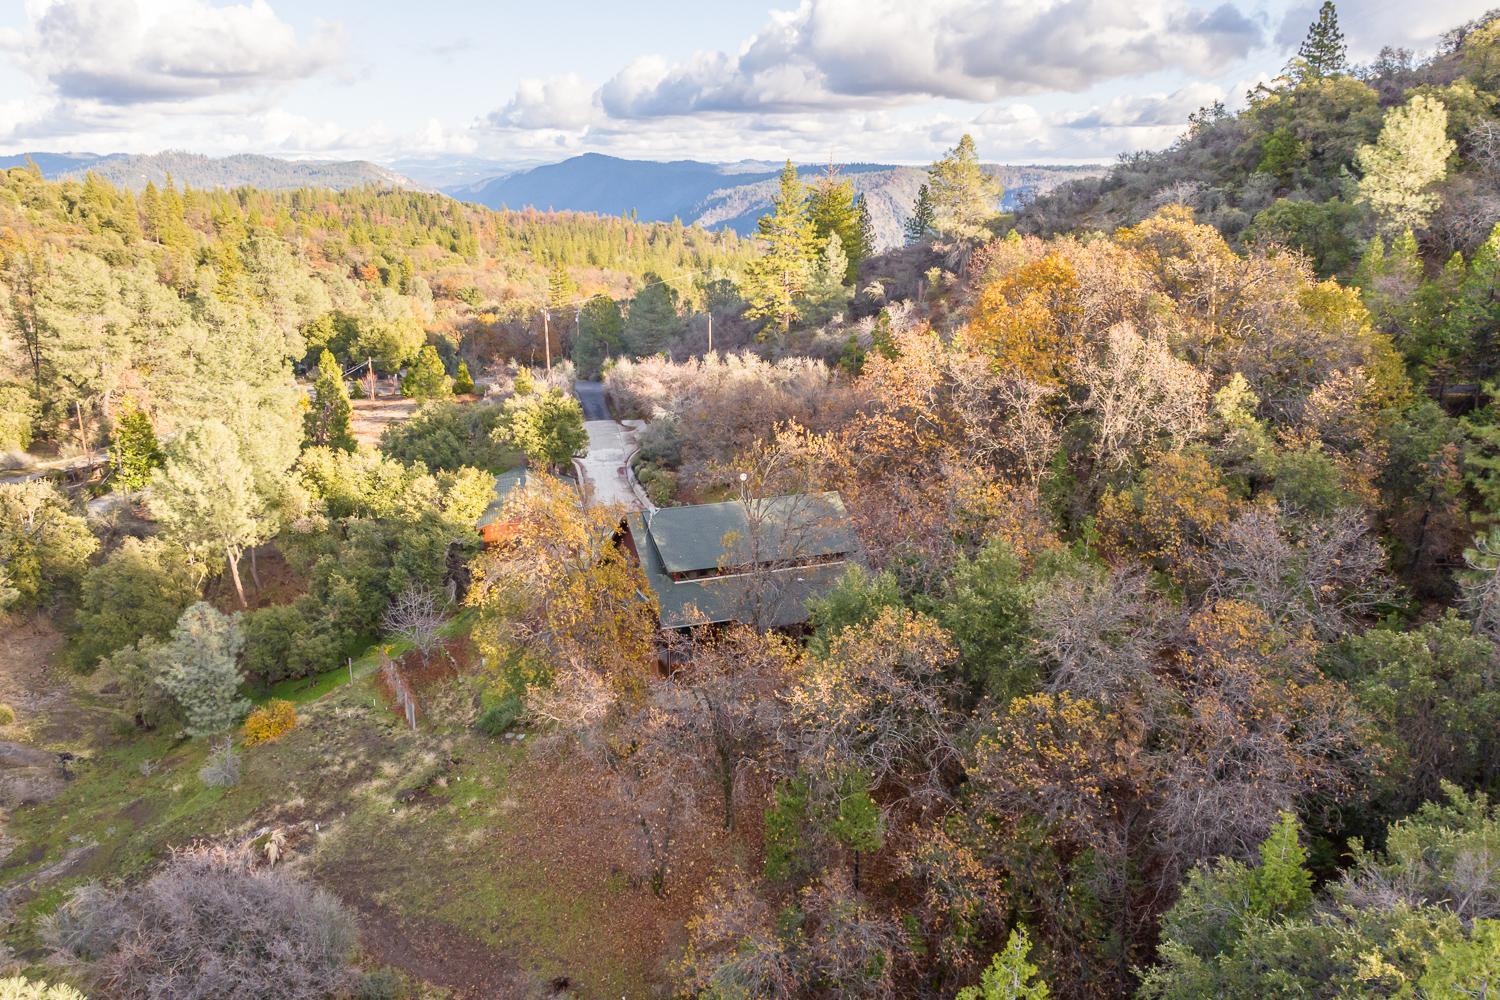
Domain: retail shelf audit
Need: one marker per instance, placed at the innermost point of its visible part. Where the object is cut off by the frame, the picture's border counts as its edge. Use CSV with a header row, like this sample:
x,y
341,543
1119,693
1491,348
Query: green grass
x,y
454,855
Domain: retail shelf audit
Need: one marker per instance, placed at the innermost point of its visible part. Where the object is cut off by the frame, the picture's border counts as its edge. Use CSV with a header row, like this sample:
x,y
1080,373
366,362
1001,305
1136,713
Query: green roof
x,y
505,483
806,545
715,536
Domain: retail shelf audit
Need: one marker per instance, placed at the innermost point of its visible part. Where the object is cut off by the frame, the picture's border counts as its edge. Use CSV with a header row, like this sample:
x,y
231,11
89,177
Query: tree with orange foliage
x,y
1026,320
1168,516
561,586
880,704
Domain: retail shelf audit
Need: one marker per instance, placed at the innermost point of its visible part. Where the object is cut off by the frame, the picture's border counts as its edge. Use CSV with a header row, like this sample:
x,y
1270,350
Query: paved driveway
x,y
611,444
591,395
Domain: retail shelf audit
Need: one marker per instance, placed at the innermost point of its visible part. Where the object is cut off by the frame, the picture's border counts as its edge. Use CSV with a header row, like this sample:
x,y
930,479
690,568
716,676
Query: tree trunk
x,y
234,572
254,570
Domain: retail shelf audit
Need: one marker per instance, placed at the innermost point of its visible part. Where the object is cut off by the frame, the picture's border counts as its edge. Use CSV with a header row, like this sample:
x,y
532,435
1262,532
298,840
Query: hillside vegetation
x,y
1168,667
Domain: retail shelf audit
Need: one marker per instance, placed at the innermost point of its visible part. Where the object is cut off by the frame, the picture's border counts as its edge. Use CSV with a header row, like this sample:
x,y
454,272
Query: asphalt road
x,y
591,396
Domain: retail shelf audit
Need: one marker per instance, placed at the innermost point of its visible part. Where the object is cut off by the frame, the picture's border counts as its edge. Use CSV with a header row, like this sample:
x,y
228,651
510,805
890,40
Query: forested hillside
x,y
111,294
1167,665
243,170
1323,153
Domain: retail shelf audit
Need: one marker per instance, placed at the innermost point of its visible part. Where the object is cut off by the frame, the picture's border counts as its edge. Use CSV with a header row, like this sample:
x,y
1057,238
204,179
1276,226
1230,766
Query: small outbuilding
x,y
494,526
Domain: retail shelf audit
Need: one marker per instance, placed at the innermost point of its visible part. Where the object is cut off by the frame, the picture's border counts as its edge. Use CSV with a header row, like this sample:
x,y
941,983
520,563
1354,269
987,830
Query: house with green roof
x,y
754,561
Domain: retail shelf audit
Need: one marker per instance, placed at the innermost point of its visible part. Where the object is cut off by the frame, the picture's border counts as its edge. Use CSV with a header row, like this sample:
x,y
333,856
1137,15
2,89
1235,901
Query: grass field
x,y
480,865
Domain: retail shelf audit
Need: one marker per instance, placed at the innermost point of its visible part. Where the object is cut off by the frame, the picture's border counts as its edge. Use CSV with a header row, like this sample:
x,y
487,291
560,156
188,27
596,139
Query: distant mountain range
x,y
195,170
716,195
713,195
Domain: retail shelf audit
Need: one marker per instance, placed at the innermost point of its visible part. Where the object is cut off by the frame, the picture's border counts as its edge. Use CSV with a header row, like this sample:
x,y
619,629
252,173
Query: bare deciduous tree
x,y
1323,573
415,615
1099,631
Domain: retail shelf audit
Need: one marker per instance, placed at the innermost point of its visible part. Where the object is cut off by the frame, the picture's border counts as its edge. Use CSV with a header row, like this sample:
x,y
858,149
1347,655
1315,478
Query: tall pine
x,y
964,197
775,281
835,211
919,225
1323,52
327,420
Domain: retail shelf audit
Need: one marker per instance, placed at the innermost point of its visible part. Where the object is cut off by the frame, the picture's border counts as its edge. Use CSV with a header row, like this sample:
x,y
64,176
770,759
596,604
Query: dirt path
x,y
50,710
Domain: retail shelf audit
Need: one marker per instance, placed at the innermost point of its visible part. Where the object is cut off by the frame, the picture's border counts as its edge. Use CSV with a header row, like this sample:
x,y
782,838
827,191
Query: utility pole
x,y
547,341
710,331
370,373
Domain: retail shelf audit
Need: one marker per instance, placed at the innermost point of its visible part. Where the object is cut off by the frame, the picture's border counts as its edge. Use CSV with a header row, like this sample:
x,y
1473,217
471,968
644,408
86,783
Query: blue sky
x,y
888,80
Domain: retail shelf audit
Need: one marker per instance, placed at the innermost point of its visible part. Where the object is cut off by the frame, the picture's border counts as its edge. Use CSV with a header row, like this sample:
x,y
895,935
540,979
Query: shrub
x,y
448,436
378,984
19,988
222,769
269,722
284,641
209,924
7,715
501,717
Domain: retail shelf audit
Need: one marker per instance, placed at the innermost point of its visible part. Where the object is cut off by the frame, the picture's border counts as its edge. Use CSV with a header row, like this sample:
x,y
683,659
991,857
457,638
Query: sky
x,y
725,80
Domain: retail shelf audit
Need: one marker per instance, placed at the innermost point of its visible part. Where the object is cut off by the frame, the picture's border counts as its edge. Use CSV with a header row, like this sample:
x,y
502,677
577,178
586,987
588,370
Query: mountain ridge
x,y
734,195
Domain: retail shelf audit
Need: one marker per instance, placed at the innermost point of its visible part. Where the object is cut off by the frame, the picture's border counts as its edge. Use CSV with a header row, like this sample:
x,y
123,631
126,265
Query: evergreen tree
x,y
1409,157
463,382
866,231
546,426
326,422
775,281
427,378
1323,52
1011,976
827,293
205,498
134,452
197,669
601,334
919,225
653,321
834,210
964,198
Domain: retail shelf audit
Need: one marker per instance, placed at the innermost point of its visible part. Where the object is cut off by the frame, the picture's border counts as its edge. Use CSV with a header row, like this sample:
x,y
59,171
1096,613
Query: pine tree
x,y
1282,884
775,281
835,210
601,334
964,198
1011,976
204,496
1323,52
827,292
327,421
134,452
1409,157
653,321
197,668
866,230
428,379
919,225
463,382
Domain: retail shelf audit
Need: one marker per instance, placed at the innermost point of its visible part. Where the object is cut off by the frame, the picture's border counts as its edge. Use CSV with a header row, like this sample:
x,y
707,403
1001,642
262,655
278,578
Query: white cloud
x,y
1143,110
562,102
862,53
135,52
